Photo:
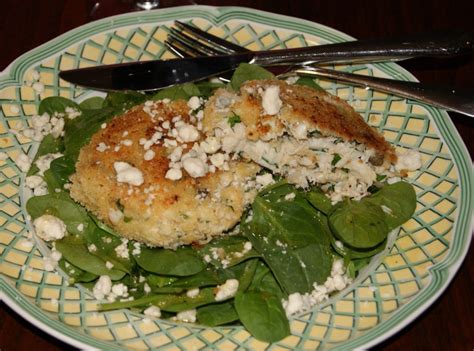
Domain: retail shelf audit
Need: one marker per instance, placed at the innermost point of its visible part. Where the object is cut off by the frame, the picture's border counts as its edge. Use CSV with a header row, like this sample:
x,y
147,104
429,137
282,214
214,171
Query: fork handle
x,y
441,44
461,101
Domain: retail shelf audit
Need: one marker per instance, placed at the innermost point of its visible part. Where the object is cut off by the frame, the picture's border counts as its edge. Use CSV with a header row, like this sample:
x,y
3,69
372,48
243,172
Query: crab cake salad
x,y
241,203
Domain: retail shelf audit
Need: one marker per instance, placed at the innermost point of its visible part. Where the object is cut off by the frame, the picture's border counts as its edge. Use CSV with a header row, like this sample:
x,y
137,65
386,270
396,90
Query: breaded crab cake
x,y
150,175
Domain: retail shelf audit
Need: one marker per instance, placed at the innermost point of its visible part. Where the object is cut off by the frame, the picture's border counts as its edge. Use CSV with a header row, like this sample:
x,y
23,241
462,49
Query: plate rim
x,y
444,270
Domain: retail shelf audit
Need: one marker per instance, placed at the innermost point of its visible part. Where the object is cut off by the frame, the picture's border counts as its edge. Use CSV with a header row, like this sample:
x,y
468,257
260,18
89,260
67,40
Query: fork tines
x,y
189,41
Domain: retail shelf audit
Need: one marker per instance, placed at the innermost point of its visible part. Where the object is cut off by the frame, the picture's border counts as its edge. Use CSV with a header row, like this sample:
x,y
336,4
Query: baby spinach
x,y
245,72
48,145
206,277
61,206
319,200
61,169
181,262
306,81
206,88
399,198
80,130
364,224
359,224
105,245
217,314
291,239
58,104
181,91
248,274
121,101
75,274
262,315
92,103
230,248
76,252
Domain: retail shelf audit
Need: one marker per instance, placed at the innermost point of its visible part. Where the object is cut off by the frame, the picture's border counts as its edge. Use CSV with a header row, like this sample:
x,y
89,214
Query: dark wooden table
x,y
449,323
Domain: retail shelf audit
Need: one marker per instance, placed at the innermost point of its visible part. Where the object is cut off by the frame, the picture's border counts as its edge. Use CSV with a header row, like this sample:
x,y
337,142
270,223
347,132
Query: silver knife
x,y
157,74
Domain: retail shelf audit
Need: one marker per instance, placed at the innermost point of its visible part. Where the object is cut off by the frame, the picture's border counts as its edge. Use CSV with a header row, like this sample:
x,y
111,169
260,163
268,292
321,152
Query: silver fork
x,y
189,41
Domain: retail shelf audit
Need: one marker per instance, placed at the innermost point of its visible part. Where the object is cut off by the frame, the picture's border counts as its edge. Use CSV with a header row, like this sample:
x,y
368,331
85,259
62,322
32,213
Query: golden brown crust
x,y
160,212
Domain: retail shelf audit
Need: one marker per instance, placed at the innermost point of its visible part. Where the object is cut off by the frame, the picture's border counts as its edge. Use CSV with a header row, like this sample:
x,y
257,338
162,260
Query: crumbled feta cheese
x,y
23,162
101,147
120,289
103,125
227,290
408,161
247,246
37,184
192,293
49,227
122,250
51,262
211,145
271,102
264,179
188,316
44,162
115,216
92,248
337,281
109,265
290,196
103,287
195,167
38,87
386,209
152,311
149,155
128,174
174,174
194,103
188,133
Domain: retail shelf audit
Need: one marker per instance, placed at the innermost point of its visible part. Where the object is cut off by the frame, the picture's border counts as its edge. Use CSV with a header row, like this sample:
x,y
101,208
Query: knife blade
x,y
157,74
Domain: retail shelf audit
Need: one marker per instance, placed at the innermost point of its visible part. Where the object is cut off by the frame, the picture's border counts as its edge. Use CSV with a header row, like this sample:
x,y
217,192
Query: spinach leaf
x,y
48,145
60,170
159,280
120,101
359,224
61,206
217,314
75,274
248,274
76,252
105,245
206,277
262,315
51,181
309,83
79,131
400,198
229,248
246,72
53,104
92,103
206,88
182,262
320,201
291,238
177,92
178,303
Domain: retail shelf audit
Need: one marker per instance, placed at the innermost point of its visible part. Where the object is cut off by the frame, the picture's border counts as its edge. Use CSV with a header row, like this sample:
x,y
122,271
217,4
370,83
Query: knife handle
x,y
441,44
